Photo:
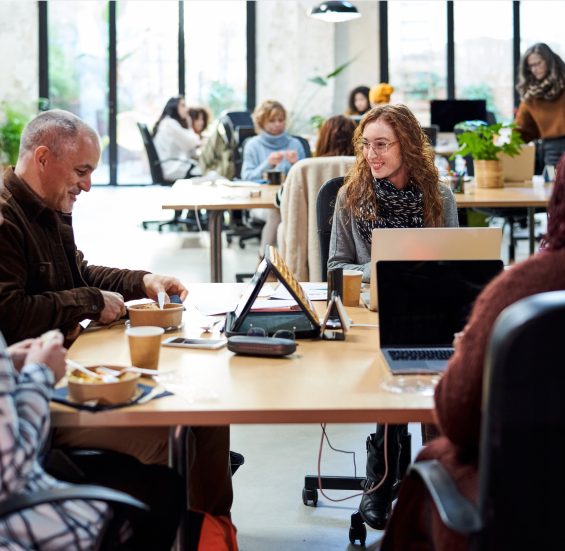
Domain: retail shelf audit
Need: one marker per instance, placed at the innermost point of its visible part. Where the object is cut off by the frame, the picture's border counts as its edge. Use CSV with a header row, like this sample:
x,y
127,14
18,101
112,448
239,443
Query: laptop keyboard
x,y
423,354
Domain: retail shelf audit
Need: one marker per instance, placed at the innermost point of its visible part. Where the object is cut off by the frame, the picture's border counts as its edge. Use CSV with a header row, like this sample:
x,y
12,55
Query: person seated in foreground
x,y
29,371
335,138
45,283
175,140
393,184
358,101
272,149
415,523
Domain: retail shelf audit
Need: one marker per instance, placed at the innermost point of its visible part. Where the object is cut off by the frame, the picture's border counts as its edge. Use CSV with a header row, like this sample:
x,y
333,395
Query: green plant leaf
x,y
342,67
318,80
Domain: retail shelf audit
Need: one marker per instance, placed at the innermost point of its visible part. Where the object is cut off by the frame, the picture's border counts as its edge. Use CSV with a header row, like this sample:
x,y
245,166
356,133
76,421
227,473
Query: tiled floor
x,y
268,509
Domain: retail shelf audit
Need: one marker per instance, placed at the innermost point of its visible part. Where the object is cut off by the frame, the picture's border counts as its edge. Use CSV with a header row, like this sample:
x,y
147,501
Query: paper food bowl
x,y
81,389
141,315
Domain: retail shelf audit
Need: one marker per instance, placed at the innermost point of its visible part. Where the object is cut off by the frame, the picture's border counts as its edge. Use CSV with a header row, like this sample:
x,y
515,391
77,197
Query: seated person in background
x,y
393,184
335,138
380,94
45,283
174,139
415,522
358,101
272,149
199,117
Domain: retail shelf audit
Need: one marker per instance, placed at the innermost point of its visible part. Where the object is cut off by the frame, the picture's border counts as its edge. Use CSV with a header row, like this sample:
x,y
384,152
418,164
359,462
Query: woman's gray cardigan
x,y
348,250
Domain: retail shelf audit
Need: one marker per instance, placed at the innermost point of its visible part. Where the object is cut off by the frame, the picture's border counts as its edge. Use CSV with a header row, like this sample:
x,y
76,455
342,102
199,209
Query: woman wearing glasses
x,y
393,184
542,111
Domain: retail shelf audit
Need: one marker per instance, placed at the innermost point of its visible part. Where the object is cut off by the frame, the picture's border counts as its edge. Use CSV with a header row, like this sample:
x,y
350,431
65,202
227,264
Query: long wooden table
x,y
510,196
323,382
216,199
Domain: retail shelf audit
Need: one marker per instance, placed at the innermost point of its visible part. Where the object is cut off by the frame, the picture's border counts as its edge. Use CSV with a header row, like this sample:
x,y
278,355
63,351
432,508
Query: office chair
x,y
522,444
119,506
158,178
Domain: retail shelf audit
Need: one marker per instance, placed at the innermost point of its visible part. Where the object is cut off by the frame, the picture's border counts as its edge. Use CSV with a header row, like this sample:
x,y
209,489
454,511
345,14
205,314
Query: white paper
x,y
272,304
265,292
238,183
314,291
215,309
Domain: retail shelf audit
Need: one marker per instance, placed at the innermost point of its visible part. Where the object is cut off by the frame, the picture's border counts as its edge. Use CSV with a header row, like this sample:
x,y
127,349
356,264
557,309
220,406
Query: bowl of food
x,y
141,315
85,388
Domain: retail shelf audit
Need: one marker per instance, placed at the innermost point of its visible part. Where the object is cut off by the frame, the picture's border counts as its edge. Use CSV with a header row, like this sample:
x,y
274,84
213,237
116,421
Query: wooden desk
x,y
509,197
323,382
217,199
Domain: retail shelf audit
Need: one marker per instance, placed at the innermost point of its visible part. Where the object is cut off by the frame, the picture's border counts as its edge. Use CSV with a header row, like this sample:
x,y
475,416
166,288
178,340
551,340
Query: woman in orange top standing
x,y
542,109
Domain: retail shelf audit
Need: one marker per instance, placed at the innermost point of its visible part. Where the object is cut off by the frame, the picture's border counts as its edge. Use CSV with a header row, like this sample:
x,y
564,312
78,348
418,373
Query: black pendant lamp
x,y
334,12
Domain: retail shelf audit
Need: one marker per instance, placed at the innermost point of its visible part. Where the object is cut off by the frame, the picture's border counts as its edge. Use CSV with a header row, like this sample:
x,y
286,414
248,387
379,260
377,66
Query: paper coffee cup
x,y
144,346
351,287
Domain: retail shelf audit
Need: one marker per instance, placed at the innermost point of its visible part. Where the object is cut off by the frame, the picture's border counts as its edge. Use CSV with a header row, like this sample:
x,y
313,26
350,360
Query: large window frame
x,y
112,68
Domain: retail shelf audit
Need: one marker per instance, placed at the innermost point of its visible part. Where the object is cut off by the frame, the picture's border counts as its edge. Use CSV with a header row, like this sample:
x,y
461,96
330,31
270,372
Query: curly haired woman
x,y
393,184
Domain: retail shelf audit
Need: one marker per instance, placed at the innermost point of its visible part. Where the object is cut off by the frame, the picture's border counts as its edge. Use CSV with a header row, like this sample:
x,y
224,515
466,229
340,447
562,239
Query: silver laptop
x,y
430,244
422,304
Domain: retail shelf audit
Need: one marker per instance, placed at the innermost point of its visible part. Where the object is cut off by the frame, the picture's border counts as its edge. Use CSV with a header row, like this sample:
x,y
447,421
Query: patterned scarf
x,y
549,88
396,208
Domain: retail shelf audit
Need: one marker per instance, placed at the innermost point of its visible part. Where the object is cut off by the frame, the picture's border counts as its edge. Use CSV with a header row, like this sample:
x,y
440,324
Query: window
x,y
78,67
483,55
215,49
147,61
542,22
417,38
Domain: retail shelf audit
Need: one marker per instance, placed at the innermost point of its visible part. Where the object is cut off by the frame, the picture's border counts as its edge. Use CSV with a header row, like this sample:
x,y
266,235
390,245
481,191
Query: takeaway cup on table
x,y
351,287
144,346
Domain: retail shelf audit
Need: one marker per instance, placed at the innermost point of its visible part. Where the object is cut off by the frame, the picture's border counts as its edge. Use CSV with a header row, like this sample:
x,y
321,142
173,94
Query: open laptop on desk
x,y
423,304
430,244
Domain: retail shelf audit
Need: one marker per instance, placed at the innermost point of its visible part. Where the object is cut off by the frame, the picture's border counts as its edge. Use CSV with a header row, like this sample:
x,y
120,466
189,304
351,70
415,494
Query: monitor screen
x,y
424,303
447,113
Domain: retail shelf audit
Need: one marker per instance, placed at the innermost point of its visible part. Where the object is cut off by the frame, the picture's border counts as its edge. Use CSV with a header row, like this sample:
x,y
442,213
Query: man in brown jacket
x,y
45,283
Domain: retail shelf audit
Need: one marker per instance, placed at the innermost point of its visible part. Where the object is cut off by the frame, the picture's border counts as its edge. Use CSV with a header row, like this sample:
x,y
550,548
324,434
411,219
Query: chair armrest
x,y
18,502
455,510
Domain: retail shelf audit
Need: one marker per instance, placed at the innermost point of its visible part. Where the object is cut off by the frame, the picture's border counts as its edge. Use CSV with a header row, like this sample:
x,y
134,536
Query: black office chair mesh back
x,y
522,472
305,145
325,204
154,163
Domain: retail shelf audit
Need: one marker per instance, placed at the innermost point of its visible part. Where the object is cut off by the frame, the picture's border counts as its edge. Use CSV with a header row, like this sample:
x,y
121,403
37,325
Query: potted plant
x,y
485,143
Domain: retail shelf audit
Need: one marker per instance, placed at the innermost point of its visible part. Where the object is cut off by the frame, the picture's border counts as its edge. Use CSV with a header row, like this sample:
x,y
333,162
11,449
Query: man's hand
x,y
276,157
114,307
154,284
19,351
291,156
52,355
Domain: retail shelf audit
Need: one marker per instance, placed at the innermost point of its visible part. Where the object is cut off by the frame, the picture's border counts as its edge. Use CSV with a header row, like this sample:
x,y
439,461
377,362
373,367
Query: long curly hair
x,y
418,157
336,137
554,64
555,237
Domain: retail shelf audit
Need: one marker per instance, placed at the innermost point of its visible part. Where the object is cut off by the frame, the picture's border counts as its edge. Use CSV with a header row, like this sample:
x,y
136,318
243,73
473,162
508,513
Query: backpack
x,y
209,533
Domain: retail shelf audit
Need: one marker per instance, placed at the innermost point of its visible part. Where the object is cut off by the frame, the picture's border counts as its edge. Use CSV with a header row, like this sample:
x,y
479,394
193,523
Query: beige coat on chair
x,y
298,231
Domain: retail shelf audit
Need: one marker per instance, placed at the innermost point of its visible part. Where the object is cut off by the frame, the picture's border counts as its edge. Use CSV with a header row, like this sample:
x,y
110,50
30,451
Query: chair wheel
x,y
309,495
357,530
229,239
241,245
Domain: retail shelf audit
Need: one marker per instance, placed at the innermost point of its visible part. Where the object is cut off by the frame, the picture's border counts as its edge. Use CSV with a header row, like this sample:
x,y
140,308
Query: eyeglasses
x,y
280,334
536,64
379,147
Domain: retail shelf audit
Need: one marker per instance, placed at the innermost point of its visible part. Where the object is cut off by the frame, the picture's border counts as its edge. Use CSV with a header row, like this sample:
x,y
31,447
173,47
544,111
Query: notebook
x,y
422,304
430,244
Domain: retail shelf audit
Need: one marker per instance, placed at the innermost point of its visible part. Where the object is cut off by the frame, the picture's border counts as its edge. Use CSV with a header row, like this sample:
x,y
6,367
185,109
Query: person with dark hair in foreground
x,y
541,113
415,524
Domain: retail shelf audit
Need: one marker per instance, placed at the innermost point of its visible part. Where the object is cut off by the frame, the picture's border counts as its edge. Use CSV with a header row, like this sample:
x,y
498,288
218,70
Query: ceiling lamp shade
x,y
334,12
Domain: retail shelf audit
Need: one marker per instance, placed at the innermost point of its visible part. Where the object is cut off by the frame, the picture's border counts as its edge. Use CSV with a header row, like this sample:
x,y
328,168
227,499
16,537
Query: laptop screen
x,y
424,303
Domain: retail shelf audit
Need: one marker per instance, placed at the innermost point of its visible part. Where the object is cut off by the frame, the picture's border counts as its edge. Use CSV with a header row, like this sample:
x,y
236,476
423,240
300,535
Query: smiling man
x,y
45,283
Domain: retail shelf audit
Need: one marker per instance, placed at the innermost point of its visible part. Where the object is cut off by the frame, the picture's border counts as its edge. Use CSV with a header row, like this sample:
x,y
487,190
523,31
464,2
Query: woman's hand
x,y
292,156
18,352
52,355
276,157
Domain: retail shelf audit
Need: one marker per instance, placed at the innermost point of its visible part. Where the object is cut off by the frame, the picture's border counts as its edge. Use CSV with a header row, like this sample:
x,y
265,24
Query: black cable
x,y
340,451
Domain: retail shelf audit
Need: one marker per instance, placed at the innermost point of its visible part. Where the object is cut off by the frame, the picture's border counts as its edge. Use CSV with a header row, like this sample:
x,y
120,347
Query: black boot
x,y
375,507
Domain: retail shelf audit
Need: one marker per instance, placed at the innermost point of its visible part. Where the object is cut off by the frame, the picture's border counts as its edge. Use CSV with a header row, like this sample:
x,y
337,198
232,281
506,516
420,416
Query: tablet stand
x,y
335,310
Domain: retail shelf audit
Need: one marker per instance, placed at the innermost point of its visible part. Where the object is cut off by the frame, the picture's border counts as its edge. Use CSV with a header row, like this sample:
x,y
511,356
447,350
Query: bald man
x,y
45,283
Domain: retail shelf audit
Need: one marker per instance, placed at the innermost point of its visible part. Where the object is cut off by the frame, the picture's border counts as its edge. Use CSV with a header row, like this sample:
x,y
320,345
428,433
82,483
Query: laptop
x,y
519,168
422,304
430,244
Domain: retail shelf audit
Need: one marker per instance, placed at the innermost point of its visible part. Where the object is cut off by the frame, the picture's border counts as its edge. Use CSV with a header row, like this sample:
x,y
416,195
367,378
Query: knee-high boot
x,y
375,507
